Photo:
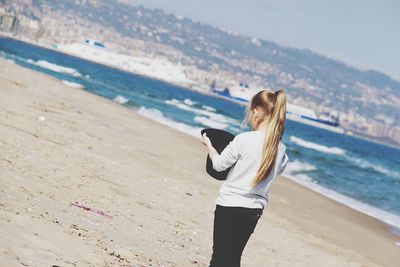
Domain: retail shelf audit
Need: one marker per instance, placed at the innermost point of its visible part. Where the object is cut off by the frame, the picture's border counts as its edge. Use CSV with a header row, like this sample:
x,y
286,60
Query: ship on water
x,y
242,94
157,67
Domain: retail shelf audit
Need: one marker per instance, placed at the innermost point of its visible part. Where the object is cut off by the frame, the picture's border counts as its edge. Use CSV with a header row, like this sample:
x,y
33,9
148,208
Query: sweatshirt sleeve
x,y
228,156
283,164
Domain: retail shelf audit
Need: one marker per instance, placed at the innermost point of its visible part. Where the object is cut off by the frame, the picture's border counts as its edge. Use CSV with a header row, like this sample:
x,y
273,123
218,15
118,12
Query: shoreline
x,y
185,87
325,191
350,203
397,227
82,128
319,225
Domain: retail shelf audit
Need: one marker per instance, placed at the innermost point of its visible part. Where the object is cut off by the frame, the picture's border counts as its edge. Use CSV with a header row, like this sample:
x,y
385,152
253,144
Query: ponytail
x,y
275,129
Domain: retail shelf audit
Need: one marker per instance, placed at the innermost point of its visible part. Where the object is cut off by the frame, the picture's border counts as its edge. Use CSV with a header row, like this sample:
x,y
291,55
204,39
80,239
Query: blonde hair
x,y
272,107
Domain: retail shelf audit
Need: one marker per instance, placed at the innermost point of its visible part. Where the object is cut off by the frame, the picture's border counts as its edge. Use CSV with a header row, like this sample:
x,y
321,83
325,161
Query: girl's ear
x,y
255,112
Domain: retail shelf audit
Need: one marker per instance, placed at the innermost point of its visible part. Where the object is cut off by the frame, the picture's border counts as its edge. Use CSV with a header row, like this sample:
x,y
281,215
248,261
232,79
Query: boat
x,y
308,116
156,67
242,94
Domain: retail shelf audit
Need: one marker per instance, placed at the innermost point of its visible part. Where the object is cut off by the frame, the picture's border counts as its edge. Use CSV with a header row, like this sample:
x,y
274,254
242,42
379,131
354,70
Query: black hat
x,y
219,140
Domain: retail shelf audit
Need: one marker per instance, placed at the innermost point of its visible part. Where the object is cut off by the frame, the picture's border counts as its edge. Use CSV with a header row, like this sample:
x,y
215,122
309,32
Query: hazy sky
x,y
362,33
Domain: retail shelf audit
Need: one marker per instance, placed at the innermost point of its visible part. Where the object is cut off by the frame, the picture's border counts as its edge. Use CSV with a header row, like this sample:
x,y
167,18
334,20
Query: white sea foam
x,y
208,108
189,102
179,104
297,166
369,165
318,147
158,116
10,57
210,123
121,100
215,119
391,219
72,84
54,67
362,163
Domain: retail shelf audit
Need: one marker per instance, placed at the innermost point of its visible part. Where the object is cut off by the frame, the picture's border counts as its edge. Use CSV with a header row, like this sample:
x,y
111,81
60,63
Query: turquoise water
x,y
358,173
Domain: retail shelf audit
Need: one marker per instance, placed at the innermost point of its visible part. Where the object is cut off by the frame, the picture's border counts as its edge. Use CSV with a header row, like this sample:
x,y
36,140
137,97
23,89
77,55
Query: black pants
x,y
232,229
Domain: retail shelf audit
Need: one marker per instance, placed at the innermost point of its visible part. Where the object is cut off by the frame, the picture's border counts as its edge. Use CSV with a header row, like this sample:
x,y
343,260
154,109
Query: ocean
x,y
352,171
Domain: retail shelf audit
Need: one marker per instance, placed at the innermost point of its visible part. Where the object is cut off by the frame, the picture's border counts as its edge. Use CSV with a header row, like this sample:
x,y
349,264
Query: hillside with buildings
x,y
366,102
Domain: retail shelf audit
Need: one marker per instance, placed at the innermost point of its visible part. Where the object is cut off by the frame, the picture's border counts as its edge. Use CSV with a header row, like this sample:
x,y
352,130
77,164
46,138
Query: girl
x,y
258,157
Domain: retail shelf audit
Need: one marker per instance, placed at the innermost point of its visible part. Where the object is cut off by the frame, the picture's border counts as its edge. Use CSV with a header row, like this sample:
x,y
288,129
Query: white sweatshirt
x,y
244,152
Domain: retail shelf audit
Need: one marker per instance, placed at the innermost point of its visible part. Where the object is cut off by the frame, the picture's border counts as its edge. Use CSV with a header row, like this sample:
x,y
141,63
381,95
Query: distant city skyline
x,y
360,33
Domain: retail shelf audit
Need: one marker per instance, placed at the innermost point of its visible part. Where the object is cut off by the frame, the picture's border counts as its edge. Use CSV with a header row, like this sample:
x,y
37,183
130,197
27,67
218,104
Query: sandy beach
x,y
85,181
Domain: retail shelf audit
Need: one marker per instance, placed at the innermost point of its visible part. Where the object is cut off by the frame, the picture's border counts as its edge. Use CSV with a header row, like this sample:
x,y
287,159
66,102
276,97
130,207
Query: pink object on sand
x,y
99,212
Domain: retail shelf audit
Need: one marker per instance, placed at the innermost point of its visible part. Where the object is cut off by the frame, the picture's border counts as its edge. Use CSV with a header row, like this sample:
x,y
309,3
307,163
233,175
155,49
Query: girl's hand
x,y
205,140
211,150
